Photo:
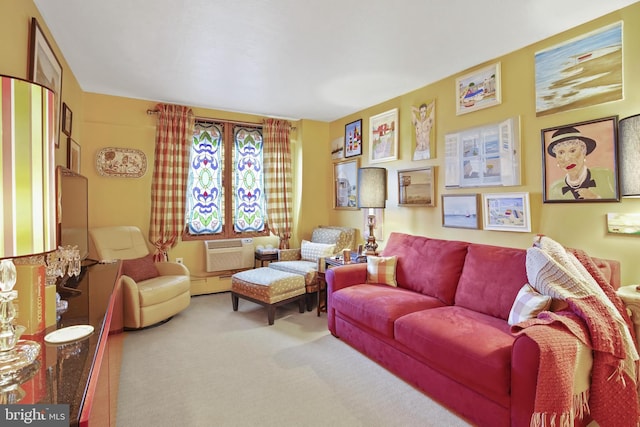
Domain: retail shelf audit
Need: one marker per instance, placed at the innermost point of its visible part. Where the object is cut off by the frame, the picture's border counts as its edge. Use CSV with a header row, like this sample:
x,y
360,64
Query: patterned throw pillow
x,y
382,269
312,251
140,269
528,304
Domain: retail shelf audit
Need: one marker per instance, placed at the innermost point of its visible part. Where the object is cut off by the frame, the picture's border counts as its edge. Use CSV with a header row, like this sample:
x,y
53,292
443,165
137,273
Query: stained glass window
x,y
209,181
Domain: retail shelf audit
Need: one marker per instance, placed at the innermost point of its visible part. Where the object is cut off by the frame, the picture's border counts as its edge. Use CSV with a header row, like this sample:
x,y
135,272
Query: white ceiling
x,y
311,59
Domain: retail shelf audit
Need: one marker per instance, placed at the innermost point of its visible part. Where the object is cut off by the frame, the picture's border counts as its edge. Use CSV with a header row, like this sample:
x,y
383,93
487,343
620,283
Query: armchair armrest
x,y
289,254
172,269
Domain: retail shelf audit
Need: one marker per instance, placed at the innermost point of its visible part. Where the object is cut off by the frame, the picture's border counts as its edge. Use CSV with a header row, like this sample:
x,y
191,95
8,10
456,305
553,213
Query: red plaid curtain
x,y
174,135
277,178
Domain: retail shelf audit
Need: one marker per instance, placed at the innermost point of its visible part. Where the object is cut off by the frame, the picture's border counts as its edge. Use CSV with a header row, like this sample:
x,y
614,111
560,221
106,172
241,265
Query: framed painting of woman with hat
x,y
580,162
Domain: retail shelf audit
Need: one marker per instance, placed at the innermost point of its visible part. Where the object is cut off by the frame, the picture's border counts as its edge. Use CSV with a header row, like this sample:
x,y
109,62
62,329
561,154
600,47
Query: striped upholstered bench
x,y
268,287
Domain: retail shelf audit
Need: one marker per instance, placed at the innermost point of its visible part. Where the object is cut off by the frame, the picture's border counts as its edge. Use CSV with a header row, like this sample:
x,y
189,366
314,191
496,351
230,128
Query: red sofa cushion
x,y
429,266
471,348
378,306
491,279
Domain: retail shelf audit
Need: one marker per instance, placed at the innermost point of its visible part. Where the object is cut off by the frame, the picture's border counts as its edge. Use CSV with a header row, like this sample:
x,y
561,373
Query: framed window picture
x,y
506,212
383,137
345,188
45,69
460,211
416,187
579,162
353,139
478,89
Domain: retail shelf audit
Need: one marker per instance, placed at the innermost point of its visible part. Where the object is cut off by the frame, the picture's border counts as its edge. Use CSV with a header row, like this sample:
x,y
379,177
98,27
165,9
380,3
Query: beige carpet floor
x,y
210,366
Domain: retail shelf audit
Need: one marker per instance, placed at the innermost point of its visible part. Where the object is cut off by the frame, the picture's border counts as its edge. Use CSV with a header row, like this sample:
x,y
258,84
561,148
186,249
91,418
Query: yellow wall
x,y
102,121
581,225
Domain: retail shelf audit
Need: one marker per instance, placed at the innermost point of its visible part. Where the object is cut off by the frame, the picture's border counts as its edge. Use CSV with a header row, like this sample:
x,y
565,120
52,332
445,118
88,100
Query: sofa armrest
x,y
339,278
289,254
345,275
525,365
172,269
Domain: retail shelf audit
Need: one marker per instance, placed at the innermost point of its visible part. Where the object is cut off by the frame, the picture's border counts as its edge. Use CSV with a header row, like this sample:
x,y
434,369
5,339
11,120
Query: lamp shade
x,y
372,187
629,147
27,173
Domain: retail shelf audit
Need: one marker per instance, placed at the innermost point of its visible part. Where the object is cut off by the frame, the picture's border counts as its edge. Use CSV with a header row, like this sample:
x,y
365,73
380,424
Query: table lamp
x,y
28,213
629,145
372,194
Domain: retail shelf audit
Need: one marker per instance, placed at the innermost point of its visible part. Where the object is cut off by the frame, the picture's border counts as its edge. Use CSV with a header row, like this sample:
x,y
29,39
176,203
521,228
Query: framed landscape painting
x,y
580,72
460,211
506,212
478,89
416,187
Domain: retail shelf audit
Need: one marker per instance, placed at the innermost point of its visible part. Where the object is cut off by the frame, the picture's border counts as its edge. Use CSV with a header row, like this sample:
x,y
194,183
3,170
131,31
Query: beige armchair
x,y
306,264
152,292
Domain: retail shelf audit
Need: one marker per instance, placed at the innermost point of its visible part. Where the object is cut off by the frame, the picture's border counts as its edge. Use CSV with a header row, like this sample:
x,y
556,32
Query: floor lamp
x,y
28,214
372,194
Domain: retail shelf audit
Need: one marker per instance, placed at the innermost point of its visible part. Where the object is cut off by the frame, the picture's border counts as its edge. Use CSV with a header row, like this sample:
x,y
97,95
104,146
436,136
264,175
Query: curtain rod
x,y
206,119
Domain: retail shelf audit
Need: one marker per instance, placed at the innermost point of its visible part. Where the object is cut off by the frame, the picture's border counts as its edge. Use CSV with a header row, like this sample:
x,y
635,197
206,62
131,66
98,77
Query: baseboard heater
x,y
229,254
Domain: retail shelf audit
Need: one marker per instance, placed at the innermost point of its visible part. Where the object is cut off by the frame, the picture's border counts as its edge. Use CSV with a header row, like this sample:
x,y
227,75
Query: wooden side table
x,y
322,283
264,256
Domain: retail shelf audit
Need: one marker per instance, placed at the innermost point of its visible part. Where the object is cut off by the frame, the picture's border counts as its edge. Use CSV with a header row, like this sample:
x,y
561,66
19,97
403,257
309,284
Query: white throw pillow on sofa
x,y
528,304
310,251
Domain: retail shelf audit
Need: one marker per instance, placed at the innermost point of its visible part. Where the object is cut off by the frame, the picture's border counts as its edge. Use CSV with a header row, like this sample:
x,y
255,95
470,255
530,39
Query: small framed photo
x,y
416,187
506,212
353,139
460,211
579,162
478,89
67,119
383,137
73,155
345,188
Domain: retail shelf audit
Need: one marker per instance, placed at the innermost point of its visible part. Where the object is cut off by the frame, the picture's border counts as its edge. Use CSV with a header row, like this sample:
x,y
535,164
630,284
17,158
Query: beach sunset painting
x,y
580,72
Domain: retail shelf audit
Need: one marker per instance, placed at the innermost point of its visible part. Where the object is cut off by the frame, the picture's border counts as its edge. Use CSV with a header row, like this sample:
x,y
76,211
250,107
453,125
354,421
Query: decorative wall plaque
x,y
121,162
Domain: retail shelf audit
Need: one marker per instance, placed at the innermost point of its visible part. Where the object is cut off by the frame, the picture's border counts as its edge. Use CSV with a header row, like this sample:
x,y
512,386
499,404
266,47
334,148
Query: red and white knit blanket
x,y
598,319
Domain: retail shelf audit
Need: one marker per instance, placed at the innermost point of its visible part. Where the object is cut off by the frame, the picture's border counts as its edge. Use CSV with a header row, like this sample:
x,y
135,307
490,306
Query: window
x,y
226,159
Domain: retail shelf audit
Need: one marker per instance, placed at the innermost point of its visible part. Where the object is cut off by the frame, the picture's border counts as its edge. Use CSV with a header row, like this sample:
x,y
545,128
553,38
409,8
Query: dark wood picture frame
x,y
587,172
45,69
67,119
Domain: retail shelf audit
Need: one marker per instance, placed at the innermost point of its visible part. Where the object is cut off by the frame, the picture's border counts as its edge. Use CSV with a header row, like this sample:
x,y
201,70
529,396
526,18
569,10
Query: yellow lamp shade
x,y
27,172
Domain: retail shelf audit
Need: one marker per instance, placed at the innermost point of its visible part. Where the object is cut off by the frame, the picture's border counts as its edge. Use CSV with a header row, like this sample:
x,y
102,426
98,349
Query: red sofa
x,y
444,328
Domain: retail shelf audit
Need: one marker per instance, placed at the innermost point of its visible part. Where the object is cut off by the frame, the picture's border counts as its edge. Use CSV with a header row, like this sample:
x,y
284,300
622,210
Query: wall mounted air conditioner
x,y
230,254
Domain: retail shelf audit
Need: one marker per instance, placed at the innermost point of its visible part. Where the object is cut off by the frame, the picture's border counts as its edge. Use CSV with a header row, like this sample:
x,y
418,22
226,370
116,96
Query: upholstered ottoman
x,y
268,287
